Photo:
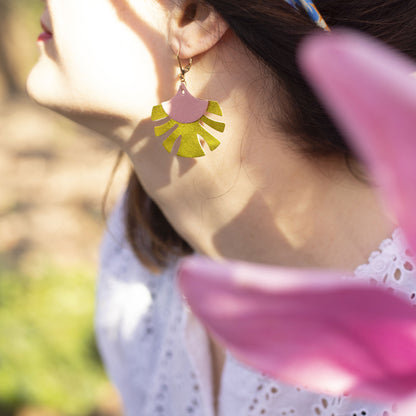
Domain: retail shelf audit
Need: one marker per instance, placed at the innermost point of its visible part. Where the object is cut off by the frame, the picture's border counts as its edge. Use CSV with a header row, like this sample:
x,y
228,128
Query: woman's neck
x,y
302,214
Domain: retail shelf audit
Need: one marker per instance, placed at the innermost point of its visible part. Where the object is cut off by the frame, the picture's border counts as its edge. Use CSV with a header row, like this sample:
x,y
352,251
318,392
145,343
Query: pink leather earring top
x,y
184,107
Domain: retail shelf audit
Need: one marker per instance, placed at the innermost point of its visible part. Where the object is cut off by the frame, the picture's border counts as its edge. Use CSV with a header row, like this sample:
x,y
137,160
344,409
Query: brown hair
x,y
272,31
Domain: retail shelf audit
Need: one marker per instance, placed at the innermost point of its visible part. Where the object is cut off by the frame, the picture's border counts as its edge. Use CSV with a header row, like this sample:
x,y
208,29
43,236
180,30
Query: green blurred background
x,y
53,175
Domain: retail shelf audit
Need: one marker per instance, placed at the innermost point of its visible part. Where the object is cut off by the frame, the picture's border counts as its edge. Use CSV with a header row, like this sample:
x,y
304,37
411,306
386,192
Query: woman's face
x,y
104,59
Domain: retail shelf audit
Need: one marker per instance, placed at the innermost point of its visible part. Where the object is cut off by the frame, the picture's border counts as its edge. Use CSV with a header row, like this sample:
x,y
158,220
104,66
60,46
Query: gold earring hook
x,y
184,70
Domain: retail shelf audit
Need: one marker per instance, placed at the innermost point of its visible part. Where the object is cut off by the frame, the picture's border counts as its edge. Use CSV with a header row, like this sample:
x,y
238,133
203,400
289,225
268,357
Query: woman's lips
x,y
46,35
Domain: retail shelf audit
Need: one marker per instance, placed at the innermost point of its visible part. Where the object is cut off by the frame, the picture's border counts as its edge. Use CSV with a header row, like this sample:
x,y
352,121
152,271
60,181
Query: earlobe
x,y
195,28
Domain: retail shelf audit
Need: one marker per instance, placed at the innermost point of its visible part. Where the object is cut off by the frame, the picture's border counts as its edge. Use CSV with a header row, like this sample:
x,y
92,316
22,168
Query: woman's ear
x,y
194,28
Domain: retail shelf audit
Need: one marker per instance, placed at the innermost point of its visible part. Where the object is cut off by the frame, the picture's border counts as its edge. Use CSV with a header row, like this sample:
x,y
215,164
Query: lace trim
x,y
388,249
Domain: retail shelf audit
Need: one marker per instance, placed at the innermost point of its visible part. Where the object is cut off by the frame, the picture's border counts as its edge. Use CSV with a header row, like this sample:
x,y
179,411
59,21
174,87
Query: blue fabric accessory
x,y
312,11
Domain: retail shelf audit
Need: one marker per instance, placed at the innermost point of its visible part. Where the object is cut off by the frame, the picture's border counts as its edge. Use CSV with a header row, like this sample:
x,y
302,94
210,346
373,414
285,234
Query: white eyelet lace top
x,y
157,353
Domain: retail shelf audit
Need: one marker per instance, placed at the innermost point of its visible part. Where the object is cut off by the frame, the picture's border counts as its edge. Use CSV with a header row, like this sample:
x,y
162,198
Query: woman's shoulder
x,y
126,290
130,301
116,256
114,248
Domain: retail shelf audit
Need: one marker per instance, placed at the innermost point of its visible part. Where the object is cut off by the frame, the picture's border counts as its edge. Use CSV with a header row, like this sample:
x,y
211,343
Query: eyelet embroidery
x,y
393,266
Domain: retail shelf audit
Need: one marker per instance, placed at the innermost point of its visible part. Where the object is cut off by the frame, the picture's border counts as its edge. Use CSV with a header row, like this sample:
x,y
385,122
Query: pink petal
x,y
368,89
296,324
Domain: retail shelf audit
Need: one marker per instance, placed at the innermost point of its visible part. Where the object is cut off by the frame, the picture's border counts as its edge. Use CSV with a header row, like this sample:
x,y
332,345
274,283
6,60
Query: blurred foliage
x,y
19,27
48,356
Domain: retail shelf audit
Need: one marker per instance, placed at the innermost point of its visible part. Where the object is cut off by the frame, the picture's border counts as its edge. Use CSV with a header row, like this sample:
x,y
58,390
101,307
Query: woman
x,y
282,187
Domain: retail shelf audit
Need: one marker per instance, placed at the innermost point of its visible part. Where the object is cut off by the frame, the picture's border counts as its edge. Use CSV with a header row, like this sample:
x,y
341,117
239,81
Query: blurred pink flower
x,y
296,324
369,90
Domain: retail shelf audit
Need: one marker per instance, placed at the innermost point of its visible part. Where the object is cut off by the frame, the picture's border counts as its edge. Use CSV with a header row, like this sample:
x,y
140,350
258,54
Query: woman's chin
x,y
40,88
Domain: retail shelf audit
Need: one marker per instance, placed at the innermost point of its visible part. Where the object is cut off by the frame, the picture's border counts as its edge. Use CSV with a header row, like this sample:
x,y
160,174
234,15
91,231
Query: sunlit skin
x,y
110,61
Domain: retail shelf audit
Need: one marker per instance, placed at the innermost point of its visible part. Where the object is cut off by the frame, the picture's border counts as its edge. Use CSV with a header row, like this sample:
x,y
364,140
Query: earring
x,y
184,116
